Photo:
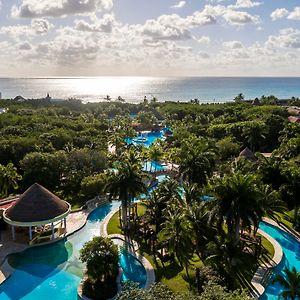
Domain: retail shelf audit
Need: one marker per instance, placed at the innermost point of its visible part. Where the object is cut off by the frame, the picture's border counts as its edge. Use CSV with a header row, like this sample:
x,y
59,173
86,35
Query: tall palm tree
x,y
196,160
178,234
197,214
191,193
126,184
237,202
155,154
290,281
9,178
168,191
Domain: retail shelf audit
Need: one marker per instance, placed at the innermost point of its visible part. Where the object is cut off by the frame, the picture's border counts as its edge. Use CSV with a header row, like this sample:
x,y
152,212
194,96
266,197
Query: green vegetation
x,y
79,151
102,268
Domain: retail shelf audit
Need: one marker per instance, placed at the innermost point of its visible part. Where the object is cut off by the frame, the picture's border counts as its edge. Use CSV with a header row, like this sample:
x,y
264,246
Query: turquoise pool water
x,y
150,137
133,270
153,166
54,271
291,250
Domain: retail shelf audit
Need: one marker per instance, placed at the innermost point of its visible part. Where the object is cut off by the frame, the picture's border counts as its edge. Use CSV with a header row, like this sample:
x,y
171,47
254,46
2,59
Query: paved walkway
x,y
261,272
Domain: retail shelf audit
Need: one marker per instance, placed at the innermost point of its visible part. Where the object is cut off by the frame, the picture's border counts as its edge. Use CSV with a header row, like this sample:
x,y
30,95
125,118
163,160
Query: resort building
x,y
38,214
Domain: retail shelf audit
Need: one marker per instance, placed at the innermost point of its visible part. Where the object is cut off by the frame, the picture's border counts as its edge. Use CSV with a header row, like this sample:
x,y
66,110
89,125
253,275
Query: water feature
x,y
291,250
54,271
146,139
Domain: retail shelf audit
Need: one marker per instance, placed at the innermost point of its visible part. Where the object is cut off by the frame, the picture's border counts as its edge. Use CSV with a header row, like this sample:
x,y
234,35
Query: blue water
x,y
151,138
133,89
54,271
133,270
153,166
291,250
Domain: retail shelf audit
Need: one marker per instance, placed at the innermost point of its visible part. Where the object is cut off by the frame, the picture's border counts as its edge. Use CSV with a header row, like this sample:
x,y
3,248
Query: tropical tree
x,y
290,281
102,267
126,184
237,201
155,153
101,258
291,189
197,159
197,214
178,234
9,178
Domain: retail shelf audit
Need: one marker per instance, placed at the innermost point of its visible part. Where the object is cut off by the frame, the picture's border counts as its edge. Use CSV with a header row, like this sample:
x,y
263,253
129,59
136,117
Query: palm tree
x,y
272,204
290,281
155,154
196,160
191,193
9,178
237,202
197,214
178,234
126,184
168,191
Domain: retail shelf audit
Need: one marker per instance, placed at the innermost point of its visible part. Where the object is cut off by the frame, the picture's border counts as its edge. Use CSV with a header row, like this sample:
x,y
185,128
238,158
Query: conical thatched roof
x,y
247,154
36,204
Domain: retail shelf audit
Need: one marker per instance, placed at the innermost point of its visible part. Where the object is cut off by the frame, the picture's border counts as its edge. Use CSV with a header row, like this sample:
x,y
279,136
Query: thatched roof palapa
x,y
37,204
247,154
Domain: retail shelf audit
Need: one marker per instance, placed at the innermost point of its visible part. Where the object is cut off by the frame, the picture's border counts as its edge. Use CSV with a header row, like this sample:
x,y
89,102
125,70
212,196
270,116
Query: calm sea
x,y
133,89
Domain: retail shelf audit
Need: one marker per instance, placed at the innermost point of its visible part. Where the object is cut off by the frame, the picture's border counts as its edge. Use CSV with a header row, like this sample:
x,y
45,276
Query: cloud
x,y
295,14
245,4
25,46
105,24
203,40
58,8
279,13
239,18
287,38
41,26
233,45
180,4
37,27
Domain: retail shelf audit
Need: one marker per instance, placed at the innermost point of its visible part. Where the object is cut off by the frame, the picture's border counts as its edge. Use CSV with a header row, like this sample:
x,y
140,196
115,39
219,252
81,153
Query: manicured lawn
x,y
113,226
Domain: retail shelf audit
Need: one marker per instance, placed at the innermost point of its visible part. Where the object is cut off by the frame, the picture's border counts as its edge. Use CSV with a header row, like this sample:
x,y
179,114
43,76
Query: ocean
x,y
133,89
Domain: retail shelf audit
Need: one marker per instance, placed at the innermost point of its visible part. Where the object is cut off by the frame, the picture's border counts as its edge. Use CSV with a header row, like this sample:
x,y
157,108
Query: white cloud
x,y
295,14
41,26
279,13
37,27
203,40
180,4
240,18
105,24
233,45
287,38
58,8
245,4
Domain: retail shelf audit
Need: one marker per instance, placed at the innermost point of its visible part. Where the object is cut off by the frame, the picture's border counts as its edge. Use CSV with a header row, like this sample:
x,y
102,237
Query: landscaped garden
x,y
232,164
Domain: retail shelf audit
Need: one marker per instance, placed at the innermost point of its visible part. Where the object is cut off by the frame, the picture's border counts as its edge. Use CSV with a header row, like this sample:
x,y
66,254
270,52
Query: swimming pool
x,y
153,166
54,271
150,138
291,250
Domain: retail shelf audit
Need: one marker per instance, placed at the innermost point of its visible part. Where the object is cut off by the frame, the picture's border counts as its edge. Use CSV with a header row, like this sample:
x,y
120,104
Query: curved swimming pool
x,y
291,250
54,271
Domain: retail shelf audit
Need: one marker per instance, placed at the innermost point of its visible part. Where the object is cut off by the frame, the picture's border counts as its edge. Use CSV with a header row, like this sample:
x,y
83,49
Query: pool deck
x,y
258,278
75,221
132,248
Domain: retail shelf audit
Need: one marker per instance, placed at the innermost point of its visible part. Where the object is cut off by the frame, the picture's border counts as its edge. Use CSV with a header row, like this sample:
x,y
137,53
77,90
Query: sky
x,y
149,38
